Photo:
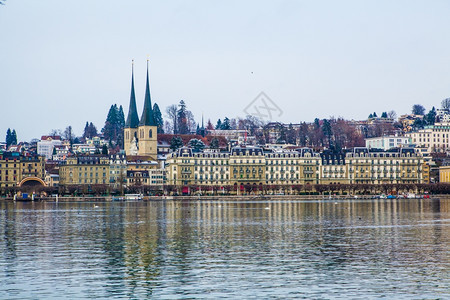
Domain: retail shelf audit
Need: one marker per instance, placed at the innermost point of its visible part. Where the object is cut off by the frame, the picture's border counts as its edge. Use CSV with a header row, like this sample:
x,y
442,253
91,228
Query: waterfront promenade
x,y
221,197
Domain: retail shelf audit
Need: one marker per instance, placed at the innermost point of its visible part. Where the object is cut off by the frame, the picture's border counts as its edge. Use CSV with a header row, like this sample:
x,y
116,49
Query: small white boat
x,y
133,197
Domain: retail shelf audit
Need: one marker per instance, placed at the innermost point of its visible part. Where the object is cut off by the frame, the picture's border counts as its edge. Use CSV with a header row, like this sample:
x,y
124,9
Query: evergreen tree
x,y
375,115
92,130
182,120
370,116
158,118
198,130
8,137
176,143
326,129
384,115
196,145
219,124
418,124
104,149
110,130
226,124
431,116
214,143
316,123
86,130
13,137
121,118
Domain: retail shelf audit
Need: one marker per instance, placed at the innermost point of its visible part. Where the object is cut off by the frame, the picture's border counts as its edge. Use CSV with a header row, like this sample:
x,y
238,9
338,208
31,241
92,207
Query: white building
x,y
117,169
83,149
443,114
435,138
46,144
387,142
61,152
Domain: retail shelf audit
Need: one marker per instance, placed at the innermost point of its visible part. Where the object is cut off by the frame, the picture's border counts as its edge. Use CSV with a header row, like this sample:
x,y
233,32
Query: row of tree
x,y
384,115
11,137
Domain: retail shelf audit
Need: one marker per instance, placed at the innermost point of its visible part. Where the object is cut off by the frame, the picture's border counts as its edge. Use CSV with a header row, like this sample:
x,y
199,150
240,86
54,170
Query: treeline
x,y
265,189
11,137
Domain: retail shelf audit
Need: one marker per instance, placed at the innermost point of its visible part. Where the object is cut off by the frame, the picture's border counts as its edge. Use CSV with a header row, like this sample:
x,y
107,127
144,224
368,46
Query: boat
x,y
133,197
260,197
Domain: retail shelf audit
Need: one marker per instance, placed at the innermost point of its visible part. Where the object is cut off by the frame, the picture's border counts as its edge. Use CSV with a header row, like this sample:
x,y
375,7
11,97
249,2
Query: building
x,y
52,179
408,121
333,168
46,144
241,136
16,169
444,174
252,169
397,166
117,170
435,138
202,168
387,142
60,152
443,115
142,172
84,149
426,172
140,136
293,167
146,178
85,170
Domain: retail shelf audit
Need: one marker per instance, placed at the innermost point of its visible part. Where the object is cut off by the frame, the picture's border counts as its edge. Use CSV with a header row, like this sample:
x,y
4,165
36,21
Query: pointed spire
x,y
132,119
202,122
147,118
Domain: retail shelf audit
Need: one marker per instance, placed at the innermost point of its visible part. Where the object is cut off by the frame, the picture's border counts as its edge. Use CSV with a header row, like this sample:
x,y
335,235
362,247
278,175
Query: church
x,y
140,136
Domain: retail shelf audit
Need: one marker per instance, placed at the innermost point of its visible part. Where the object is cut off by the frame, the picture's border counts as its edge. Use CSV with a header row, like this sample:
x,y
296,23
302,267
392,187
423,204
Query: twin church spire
x,y
147,118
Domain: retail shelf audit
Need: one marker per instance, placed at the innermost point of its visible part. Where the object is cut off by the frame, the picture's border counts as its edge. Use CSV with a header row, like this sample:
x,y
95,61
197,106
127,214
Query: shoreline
x,y
223,197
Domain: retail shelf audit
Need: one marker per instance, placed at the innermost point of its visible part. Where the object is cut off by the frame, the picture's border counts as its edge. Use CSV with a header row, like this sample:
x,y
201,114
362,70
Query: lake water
x,y
226,249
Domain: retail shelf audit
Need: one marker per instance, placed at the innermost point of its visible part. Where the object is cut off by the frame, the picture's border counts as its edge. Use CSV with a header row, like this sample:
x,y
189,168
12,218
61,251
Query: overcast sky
x,y
65,62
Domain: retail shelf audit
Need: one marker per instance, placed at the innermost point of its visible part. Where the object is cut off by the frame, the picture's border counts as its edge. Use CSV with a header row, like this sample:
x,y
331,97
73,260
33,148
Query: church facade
x,y
140,136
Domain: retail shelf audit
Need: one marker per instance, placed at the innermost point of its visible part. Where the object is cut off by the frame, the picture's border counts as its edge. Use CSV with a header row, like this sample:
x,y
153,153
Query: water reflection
x,y
348,248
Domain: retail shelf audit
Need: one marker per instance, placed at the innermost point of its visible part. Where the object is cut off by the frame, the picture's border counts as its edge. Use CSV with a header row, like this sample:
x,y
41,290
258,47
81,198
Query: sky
x,y
66,62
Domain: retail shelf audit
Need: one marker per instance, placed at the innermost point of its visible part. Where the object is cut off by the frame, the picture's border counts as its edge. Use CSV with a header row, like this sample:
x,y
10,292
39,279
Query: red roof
x,y
53,137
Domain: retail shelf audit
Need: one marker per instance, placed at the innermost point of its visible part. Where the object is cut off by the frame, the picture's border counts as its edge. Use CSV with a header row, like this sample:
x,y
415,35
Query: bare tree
x,y
418,109
191,124
171,112
392,114
55,132
168,127
68,134
445,104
